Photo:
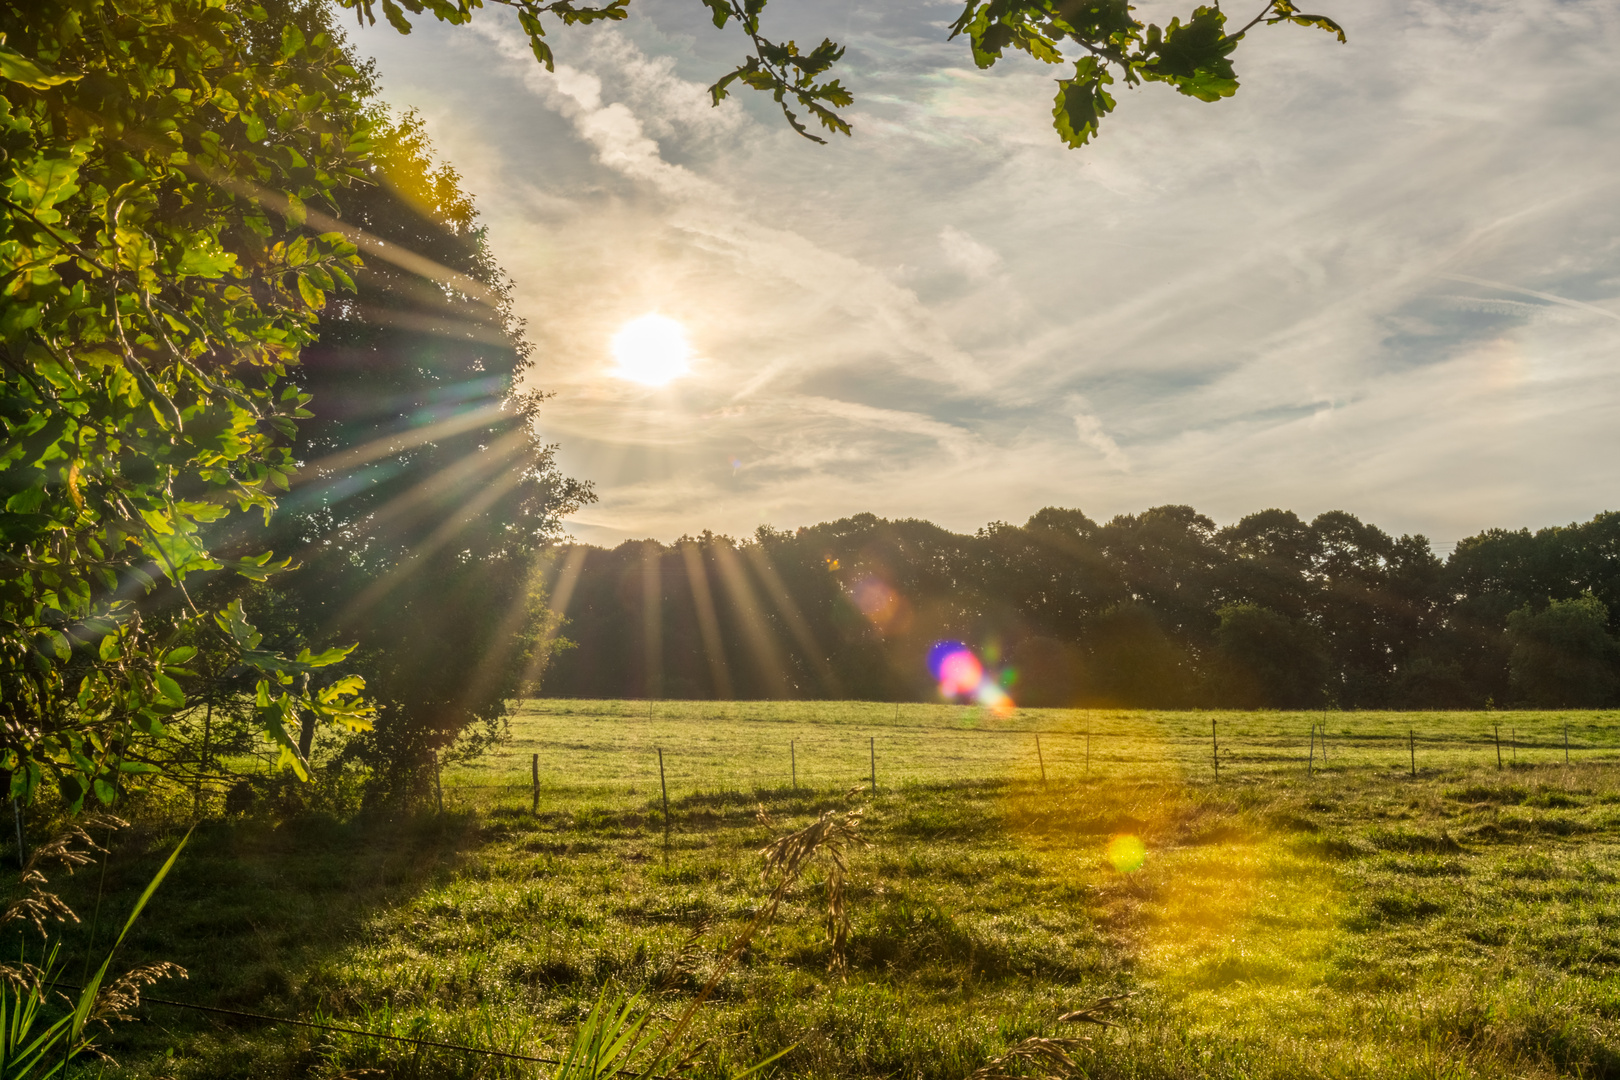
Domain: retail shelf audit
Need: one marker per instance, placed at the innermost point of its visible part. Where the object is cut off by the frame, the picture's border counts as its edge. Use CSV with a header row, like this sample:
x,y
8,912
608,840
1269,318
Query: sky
x,y
1383,278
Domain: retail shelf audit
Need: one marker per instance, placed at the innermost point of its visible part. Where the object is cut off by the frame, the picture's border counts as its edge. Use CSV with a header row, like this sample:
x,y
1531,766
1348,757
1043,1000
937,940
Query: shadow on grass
x,y
250,907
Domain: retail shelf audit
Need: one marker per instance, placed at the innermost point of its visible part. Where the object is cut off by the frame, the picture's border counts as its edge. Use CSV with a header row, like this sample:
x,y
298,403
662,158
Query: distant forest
x,y
1157,609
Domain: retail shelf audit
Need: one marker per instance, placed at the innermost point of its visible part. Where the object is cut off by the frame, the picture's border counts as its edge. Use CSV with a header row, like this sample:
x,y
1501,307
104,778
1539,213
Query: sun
x,y
651,350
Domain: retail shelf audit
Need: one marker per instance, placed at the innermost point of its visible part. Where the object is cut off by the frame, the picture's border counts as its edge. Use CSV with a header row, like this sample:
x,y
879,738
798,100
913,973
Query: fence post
x,y
872,747
1214,748
1566,742
534,779
1088,751
793,757
438,791
1411,736
1310,759
1041,759
664,787
1513,746
1497,730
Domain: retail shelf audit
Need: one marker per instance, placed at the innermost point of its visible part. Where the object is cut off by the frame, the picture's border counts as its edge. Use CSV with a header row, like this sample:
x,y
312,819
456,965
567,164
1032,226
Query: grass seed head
x,y
1036,1058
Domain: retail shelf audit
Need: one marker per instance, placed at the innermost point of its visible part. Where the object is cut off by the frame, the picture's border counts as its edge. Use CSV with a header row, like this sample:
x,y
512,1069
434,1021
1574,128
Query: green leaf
x,y
27,501
311,295
169,692
1081,103
17,68
292,41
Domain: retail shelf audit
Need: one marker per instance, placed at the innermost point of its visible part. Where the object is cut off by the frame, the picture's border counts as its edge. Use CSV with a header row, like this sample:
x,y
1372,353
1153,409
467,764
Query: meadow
x,y
1286,918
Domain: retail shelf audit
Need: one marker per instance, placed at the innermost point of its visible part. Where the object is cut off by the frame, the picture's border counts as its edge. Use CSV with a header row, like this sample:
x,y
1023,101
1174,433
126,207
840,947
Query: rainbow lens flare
x,y
961,674
1126,854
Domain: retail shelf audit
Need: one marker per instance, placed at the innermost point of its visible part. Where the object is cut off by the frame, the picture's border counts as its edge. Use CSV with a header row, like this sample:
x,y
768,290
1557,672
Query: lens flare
x,y
960,674
990,694
875,599
1126,854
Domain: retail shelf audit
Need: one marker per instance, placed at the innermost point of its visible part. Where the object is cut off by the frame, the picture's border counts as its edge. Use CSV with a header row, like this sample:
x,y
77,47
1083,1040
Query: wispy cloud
x,y
1237,305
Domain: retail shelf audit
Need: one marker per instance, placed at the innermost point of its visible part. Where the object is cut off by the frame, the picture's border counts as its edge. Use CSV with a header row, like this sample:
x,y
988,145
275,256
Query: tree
x,y
1264,659
1194,57
426,495
159,282
1563,655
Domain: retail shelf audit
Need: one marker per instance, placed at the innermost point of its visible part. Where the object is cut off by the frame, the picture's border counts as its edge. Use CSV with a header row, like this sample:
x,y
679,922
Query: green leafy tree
x,y
1563,655
426,496
159,282
1265,659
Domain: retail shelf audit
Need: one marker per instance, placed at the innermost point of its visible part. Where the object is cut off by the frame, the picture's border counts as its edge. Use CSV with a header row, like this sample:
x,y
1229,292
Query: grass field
x,y
743,746
1354,922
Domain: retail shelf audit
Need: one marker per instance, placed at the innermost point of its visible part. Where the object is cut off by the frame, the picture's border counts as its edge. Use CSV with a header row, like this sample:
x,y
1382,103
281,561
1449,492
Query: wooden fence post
x,y
1088,751
1566,742
664,787
1041,759
534,779
438,791
1497,732
793,758
1310,759
1214,748
1411,735
872,747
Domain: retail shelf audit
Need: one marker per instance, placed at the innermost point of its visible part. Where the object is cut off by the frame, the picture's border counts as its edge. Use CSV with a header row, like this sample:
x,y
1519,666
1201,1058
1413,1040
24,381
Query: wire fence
x,y
699,748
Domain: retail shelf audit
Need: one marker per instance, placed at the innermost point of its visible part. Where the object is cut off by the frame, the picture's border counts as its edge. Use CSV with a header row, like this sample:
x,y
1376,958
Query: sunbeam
x,y
708,625
796,623
758,634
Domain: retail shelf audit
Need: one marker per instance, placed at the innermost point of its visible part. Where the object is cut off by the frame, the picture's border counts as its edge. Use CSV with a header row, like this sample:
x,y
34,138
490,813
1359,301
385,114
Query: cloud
x,y
1091,433
1259,298
967,254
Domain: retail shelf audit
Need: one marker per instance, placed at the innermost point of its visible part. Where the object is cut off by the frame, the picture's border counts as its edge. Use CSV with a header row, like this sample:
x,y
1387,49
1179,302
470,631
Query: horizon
x,y
1441,548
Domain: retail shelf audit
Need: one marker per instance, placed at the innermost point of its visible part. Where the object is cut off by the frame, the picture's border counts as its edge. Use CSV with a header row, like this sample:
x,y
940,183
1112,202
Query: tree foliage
x,y
1192,56
426,494
1562,655
1161,608
159,284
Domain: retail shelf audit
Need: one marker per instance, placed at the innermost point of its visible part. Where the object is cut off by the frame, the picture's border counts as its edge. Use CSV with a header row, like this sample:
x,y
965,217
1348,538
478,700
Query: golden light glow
x,y
651,350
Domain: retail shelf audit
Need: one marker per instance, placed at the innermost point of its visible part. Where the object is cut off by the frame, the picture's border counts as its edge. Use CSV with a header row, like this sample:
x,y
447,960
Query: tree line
x,y
1157,609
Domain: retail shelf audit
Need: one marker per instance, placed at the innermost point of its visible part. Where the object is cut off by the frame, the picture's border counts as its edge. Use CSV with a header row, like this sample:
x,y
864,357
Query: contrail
x,y
1531,292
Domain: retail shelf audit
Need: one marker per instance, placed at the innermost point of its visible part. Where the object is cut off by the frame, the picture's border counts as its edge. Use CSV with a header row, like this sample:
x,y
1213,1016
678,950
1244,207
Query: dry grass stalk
x,y
686,960
1035,1058
825,841
119,1000
1094,1012
37,904
1041,1058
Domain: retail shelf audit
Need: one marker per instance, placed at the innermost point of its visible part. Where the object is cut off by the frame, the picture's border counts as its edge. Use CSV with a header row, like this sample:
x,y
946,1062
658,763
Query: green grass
x,y
1361,922
740,746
